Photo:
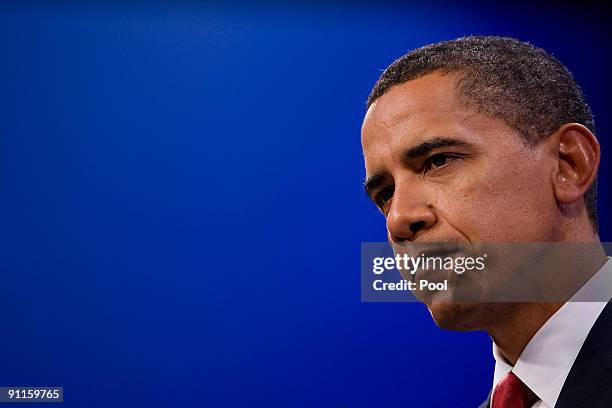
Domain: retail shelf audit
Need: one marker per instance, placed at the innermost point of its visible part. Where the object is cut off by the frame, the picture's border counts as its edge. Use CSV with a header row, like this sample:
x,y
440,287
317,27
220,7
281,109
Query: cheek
x,y
509,203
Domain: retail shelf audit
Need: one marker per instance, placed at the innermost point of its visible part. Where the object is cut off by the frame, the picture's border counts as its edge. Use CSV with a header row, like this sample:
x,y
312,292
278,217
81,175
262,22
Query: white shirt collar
x,y
548,357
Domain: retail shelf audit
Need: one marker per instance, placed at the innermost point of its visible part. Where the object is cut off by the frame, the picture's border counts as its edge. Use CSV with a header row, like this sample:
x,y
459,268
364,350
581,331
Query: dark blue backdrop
x,y
182,208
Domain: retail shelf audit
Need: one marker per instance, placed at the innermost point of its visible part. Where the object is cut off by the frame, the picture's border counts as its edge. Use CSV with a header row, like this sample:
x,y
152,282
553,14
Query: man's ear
x,y
578,155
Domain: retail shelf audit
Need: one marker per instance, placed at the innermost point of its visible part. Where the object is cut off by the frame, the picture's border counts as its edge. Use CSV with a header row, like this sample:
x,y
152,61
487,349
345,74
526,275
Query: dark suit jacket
x,y
589,383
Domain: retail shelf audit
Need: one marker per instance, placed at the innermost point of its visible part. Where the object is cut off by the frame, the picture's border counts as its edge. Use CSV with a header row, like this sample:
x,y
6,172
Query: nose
x,y
409,215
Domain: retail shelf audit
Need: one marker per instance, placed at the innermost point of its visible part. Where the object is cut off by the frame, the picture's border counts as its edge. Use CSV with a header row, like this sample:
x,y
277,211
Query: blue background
x,y
182,208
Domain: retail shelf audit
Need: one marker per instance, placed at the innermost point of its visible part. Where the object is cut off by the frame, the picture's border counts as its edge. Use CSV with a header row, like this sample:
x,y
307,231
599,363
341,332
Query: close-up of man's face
x,y
441,172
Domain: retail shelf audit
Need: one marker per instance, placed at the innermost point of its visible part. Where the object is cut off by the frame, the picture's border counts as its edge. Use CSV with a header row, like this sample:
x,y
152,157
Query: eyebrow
x,y
423,148
417,151
372,183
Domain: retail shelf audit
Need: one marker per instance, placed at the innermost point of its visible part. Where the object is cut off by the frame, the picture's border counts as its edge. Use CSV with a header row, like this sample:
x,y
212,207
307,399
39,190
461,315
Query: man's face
x,y
441,172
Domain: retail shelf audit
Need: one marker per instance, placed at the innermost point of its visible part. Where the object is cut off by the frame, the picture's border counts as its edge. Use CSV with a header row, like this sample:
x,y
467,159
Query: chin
x,y
460,316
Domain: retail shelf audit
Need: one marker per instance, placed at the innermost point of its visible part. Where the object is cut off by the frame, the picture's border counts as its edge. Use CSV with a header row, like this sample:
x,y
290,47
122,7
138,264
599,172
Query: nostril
x,y
415,226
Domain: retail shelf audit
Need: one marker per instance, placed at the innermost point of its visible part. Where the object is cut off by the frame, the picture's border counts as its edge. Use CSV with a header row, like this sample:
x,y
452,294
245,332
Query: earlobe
x,y
578,155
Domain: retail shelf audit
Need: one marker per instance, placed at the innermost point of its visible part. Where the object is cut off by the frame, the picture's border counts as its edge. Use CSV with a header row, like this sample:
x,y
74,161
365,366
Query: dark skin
x,y
439,171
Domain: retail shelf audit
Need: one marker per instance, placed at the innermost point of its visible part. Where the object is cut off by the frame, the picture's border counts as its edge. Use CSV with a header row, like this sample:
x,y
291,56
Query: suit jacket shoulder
x,y
589,383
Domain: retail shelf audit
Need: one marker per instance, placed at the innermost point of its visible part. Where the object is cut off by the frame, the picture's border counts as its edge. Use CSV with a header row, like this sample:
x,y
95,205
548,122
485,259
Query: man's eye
x,y
438,160
384,196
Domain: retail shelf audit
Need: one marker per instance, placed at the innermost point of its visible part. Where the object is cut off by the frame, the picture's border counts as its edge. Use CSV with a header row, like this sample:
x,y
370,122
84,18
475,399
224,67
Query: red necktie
x,y
511,392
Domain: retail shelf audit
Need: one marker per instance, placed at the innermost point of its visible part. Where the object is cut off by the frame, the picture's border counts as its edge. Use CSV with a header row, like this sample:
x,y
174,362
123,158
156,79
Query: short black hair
x,y
504,78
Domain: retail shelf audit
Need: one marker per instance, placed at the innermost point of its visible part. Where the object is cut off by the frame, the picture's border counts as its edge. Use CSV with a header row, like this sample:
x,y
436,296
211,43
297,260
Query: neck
x,y
521,321
515,324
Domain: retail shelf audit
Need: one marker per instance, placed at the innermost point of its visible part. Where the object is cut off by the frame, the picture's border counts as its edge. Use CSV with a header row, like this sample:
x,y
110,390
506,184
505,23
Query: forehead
x,y
424,108
431,93
410,112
